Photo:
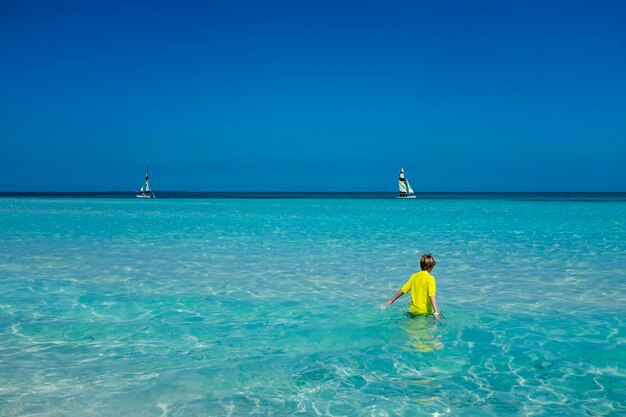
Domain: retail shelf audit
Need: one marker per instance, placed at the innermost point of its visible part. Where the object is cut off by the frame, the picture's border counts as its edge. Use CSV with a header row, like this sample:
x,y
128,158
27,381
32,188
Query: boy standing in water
x,y
423,289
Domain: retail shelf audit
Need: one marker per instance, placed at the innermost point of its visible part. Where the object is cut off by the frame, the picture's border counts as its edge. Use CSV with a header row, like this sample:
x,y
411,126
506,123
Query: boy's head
x,y
427,262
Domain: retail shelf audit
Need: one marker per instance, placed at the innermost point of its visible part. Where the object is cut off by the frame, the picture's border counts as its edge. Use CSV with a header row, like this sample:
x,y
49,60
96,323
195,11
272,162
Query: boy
x,y
423,289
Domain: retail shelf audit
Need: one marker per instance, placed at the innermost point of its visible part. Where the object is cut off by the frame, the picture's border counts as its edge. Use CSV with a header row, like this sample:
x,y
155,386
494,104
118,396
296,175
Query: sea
x,y
269,304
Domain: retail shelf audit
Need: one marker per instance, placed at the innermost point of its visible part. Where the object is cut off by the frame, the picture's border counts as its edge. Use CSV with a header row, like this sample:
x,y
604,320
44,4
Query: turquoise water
x,y
235,307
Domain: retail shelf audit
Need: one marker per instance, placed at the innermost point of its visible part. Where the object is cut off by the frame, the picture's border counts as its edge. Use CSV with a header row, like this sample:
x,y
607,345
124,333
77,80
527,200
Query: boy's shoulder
x,y
424,274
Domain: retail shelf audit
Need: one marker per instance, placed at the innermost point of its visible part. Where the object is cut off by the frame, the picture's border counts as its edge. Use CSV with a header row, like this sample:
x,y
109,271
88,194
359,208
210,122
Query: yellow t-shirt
x,y
422,286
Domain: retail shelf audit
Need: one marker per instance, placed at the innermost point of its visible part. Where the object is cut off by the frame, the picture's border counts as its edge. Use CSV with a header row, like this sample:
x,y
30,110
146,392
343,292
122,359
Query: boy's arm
x,y
433,299
394,298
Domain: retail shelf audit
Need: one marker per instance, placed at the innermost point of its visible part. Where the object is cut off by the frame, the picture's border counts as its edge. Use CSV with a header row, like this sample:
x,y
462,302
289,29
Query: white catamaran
x,y
404,186
145,191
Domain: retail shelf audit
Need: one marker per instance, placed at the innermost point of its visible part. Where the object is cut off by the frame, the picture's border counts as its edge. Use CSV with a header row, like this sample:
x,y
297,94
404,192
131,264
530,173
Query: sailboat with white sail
x,y
145,191
405,188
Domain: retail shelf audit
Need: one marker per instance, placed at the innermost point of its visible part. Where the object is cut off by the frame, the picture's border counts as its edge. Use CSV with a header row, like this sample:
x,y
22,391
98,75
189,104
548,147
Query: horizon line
x,y
2,192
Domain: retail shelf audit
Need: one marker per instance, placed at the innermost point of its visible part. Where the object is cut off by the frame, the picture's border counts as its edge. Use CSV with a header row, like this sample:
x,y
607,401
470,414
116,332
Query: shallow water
x,y
215,307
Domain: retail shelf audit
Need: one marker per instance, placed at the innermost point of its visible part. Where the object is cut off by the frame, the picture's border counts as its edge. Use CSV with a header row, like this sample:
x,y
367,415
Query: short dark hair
x,y
427,262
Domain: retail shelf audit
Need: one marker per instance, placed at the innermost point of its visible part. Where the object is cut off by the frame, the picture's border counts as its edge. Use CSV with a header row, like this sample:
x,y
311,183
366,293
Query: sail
x,y
402,186
147,182
409,187
402,182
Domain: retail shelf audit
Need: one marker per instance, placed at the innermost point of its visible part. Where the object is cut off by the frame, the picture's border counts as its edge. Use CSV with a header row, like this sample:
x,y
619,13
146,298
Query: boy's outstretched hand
x,y
392,299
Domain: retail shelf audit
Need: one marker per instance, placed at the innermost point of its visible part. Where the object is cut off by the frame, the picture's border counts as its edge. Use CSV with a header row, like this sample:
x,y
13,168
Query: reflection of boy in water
x,y
421,335
423,289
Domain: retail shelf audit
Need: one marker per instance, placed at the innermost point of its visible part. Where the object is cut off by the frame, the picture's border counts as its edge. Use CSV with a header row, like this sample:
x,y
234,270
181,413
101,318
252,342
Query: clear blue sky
x,y
287,95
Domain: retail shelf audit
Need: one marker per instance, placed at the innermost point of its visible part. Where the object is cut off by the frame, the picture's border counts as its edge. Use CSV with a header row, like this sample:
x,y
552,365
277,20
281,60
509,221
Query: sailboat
x,y
404,186
145,191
